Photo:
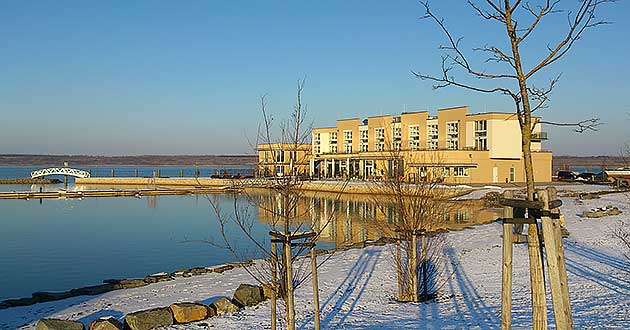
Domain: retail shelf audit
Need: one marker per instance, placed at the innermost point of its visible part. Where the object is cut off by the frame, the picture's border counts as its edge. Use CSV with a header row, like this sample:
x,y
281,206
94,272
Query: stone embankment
x,y
29,181
178,313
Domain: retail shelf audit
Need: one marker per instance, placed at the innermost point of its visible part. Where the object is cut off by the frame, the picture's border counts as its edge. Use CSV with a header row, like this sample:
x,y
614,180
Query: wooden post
x,y
286,245
315,286
400,271
413,269
539,300
274,287
506,270
555,262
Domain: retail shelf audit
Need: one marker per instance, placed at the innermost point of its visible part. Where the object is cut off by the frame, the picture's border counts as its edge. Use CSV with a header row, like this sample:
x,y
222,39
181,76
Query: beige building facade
x,y
280,159
455,146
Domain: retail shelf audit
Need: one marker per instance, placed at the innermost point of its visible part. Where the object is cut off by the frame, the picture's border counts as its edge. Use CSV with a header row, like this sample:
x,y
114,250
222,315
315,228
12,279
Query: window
x,y
512,174
414,137
278,156
333,138
317,150
460,171
432,136
333,149
481,135
452,135
363,142
347,141
379,140
279,170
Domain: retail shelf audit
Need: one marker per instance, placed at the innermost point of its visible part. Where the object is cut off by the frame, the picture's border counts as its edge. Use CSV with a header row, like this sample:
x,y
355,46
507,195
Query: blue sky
x,y
184,77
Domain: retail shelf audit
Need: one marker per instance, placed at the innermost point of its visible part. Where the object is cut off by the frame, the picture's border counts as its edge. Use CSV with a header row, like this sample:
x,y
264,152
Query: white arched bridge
x,y
60,171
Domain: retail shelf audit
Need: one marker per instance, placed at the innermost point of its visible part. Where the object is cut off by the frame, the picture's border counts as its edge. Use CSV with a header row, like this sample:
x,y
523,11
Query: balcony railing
x,y
539,136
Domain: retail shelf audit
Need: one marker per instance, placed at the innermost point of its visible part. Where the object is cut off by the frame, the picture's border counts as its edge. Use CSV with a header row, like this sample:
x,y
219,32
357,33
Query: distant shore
x,y
141,160
29,181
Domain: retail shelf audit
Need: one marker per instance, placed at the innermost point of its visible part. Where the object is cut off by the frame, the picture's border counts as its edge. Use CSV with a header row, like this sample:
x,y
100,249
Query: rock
x,y
129,283
248,295
267,290
53,324
19,302
149,319
106,323
223,306
51,296
189,312
221,269
198,271
158,277
601,212
93,290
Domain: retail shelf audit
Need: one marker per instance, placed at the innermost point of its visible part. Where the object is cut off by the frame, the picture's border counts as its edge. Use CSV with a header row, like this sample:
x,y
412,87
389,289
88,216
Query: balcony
x,y
539,136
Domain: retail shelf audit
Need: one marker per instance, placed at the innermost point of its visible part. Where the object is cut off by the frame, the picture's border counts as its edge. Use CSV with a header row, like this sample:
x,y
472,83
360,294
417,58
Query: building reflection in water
x,y
357,218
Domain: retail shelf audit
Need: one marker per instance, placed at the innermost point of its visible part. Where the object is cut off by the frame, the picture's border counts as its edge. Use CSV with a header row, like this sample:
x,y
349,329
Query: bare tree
x,y
280,206
413,193
520,20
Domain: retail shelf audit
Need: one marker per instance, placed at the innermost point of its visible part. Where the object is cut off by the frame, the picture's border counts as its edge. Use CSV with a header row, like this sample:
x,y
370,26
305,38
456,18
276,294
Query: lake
x,y
60,244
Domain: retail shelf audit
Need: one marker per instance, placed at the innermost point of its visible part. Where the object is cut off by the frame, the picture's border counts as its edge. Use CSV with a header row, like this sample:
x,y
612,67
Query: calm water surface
x,y
59,244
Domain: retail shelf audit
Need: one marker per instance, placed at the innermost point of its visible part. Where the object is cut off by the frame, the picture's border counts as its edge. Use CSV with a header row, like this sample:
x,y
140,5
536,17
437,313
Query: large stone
x,y
127,283
224,306
93,290
149,319
51,296
19,302
158,277
189,312
106,323
248,295
221,269
267,290
53,324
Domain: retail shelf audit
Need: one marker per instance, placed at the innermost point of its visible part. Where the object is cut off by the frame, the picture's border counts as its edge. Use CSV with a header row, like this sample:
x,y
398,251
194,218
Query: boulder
x,y
189,312
158,277
267,290
93,290
19,302
106,323
53,324
224,306
51,296
248,295
149,319
602,212
127,283
221,269
199,271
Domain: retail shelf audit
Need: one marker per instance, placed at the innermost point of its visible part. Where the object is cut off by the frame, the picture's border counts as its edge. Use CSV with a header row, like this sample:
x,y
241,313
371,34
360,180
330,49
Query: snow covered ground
x,y
356,286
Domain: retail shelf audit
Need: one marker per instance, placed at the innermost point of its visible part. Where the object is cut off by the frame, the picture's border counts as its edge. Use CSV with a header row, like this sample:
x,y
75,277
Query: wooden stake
x,y
539,302
555,262
289,285
274,286
414,267
400,271
315,287
506,270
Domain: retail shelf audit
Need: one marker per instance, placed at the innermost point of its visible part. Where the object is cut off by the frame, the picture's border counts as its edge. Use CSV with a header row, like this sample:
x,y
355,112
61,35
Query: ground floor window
x,y
512,174
279,170
460,171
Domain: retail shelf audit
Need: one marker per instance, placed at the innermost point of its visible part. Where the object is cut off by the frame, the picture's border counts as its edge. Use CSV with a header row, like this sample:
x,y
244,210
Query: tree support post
x,y
315,287
506,269
555,261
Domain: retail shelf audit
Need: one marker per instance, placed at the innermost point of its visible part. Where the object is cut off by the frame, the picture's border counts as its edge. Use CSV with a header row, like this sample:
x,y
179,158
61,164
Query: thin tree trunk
x,y
274,298
425,282
315,287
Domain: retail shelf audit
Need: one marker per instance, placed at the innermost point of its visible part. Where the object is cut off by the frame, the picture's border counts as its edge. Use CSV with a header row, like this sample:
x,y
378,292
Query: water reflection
x,y
353,219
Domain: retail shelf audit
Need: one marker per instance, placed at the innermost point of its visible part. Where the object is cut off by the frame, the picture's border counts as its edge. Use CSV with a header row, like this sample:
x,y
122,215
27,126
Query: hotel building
x,y
455,146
